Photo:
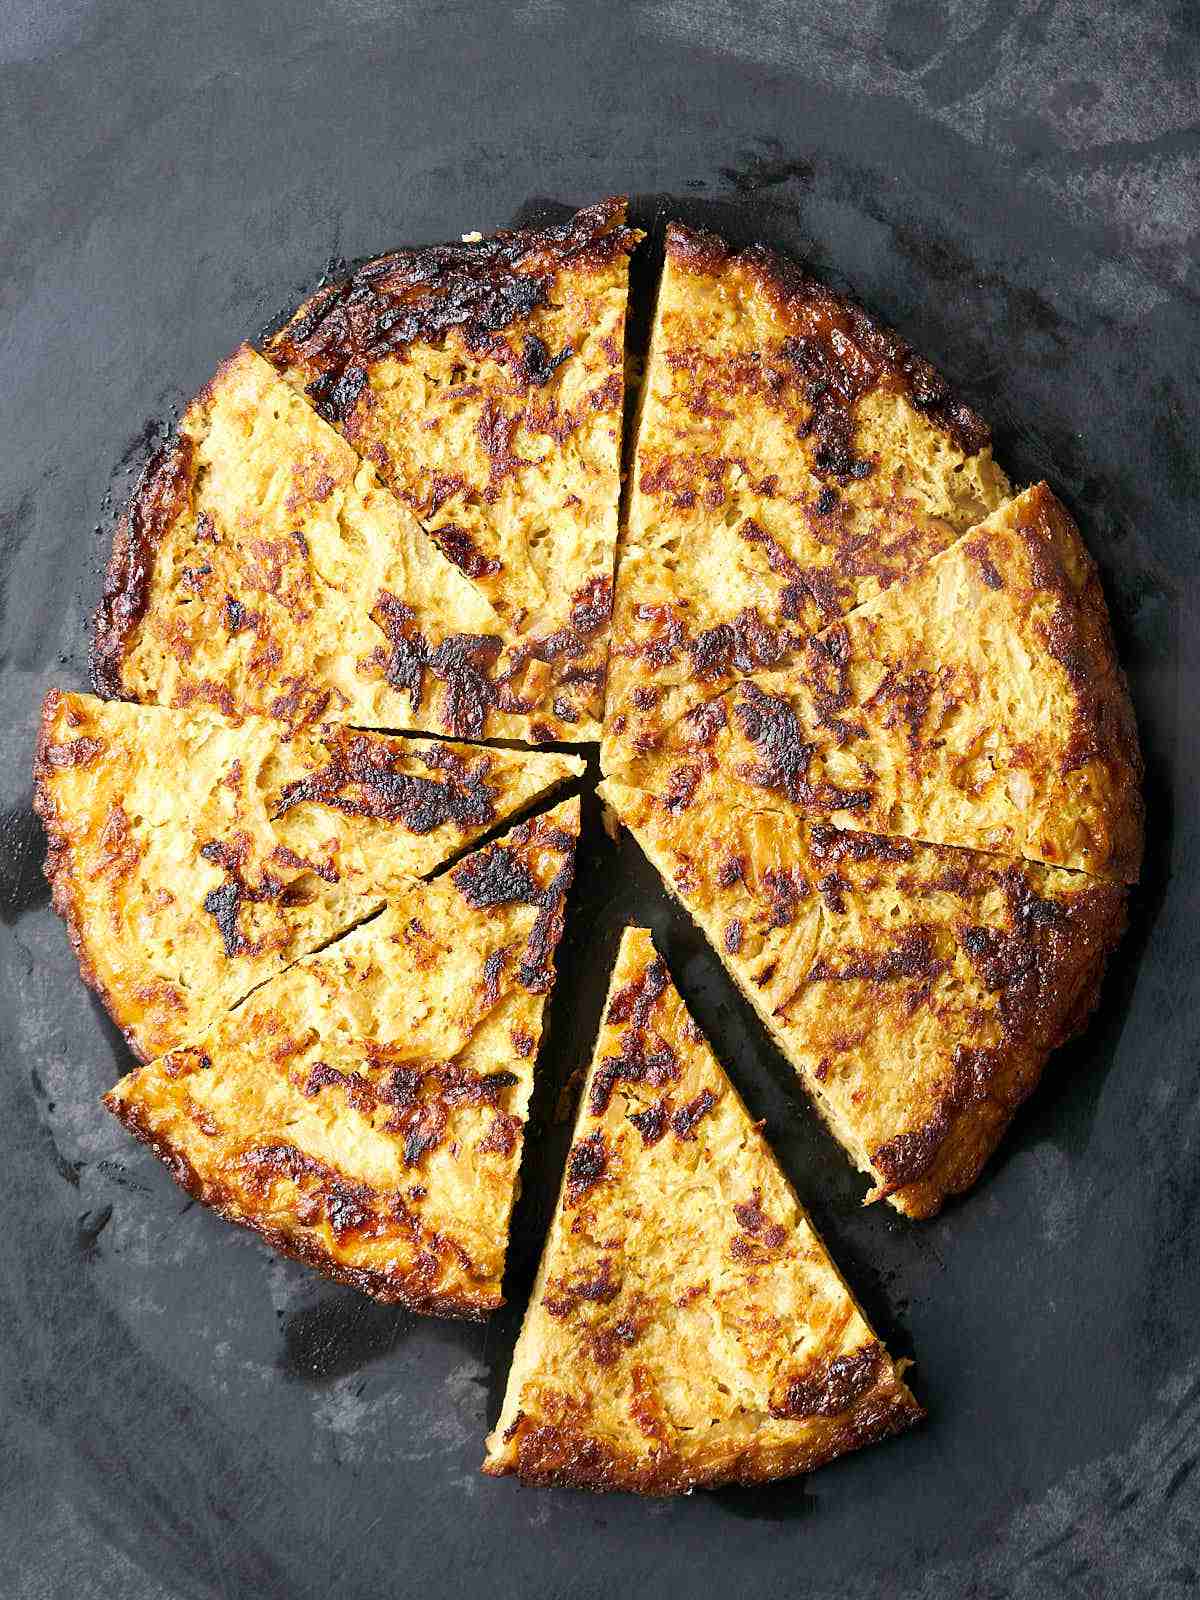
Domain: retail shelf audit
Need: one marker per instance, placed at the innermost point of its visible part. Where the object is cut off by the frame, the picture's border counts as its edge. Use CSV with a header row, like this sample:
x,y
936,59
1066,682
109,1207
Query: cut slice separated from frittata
x,y
687,1327
262,567
364,1110
917,990
485,381
793,457
193,856
979,703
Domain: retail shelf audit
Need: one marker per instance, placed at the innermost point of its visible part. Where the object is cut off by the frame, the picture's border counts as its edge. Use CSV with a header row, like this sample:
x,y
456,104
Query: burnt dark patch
x,y
752,1219
683,1123
224,903
785,756
599,1287
634,1001
499,875
463,662
912,958
652,1122
642,1059
746,644
586,1165
458,546
834,1386
839,844
681,788
366,777
536,366
475,291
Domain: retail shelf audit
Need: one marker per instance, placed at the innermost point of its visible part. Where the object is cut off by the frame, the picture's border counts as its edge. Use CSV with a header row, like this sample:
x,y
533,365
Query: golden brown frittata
x,y
364,1110
687,1327
263,567
793,457
193,857
485,381
978,702
917,990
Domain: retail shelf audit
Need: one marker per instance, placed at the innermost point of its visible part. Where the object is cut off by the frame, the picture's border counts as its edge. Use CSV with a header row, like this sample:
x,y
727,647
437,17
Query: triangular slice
x,y
485,380
687,1327
262,567
193,857
364,1110
917,990
978,703
793,458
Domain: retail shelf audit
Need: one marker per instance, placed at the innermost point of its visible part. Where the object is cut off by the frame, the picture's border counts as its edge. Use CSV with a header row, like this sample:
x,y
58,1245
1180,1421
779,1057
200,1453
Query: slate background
x,y
1015,186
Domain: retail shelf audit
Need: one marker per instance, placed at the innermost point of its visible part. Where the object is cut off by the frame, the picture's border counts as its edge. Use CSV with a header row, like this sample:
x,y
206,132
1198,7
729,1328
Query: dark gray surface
x,y
1016,187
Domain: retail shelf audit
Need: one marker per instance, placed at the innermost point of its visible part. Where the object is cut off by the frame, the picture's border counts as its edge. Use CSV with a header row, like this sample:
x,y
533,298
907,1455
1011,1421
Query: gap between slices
x,y
917,990
364,1110
687,1327
192,858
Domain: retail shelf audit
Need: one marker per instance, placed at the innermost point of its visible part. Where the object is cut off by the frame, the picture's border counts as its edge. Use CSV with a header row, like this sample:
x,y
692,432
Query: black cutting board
x,y
1015,187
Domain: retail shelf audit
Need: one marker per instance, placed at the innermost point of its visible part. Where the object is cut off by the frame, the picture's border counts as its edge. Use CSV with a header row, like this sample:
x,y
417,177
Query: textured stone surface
x,y
1014,187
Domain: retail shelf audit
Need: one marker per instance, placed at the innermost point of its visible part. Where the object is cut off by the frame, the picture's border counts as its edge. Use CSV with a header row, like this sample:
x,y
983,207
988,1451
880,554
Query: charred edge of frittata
x,y
550,1455
57,866
387,1288
163,491
476,289
1048,994
815,311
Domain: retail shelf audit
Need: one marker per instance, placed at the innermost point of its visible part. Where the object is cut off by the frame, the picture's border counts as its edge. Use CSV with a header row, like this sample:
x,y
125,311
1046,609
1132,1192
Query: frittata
x,y
263,567
193,857
364,1110
917,990
485,381
978,702
793,458
687,1327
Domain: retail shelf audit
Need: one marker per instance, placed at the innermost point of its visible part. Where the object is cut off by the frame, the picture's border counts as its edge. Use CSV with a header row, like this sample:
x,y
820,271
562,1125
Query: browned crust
x,y
388,1288
474,289
810,309
980,1104
57,866
162,492
946,1157
555,1456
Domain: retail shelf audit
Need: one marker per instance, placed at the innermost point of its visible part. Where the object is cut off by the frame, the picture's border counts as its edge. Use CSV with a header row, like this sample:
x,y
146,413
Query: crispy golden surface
x,y
978,703
485,381
263,567
192,857
917,990
364,1110
793,458
687,1327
